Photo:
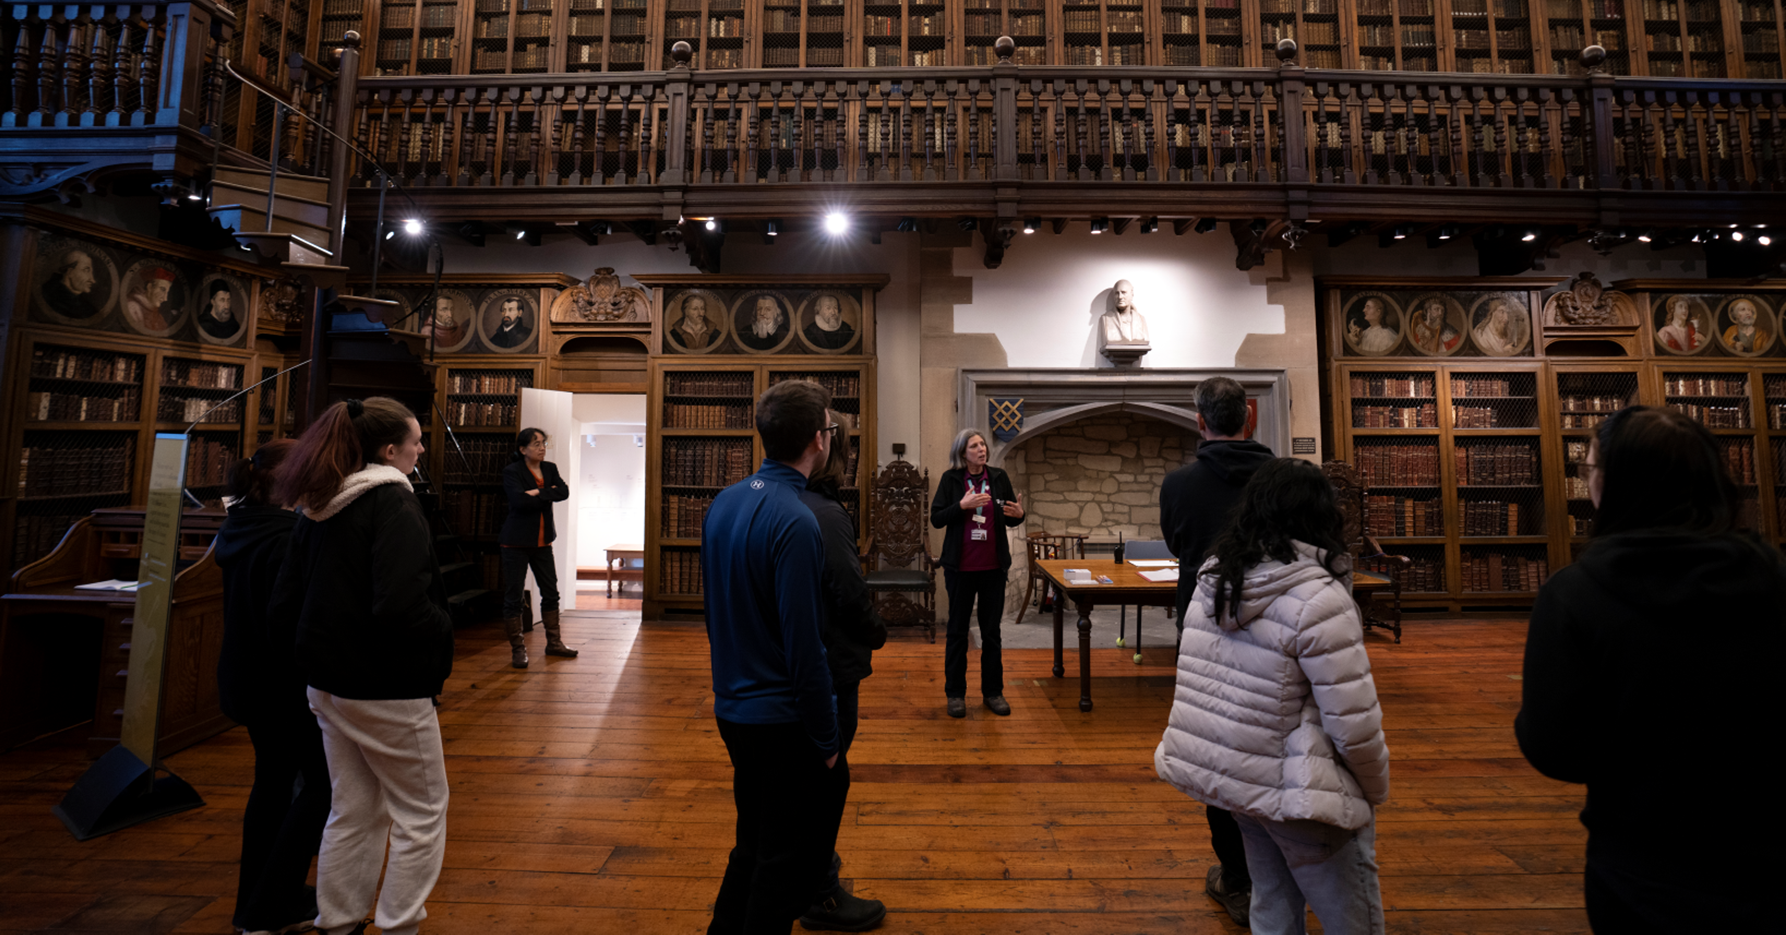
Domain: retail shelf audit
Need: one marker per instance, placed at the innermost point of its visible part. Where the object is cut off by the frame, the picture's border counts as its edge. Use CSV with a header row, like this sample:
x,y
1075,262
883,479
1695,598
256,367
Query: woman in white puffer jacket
x,y
1275,717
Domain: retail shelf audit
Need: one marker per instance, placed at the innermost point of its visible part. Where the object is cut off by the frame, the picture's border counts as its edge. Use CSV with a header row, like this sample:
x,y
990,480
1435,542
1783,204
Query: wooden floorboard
x,y
593,795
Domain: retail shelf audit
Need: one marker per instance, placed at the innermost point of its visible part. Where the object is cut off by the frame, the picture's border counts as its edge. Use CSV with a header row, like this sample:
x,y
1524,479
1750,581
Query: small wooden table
x,y
619,553
1126,587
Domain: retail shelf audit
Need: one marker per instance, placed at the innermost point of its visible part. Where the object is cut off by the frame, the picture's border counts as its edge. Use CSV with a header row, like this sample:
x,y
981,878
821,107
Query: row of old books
x,y
1717,417
1424,573
706,462
1399,465
473,512
1739,459
484,458
1581,525
1496,464
1490,518
1370,385
1591,403
75,407
207,461
496,384
1584,420
847,385
1423,416
188,409
735,414
57,363
1705,385
1576,487
683,515
198,373
1387,515
1475,417
60,471
1776,415
475,415
679,571
710,384
1481,386
1495,571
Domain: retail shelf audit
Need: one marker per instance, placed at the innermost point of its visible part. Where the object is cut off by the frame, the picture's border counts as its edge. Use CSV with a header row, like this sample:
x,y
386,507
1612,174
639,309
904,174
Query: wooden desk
x,y
620,553
1126,587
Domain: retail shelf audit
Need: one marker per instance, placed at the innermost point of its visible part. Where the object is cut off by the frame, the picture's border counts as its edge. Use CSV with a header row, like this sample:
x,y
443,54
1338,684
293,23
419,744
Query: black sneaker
x,y
841,912
1237,902
997,705
958,707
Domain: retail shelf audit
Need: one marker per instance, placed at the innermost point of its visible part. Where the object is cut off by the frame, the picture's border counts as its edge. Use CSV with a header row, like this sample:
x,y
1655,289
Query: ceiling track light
x,y
1030,225
772,227
1736,236
1528,236
1100,225
412,227
1149,225
1204,225
1765,240
837,223
966,223
712,224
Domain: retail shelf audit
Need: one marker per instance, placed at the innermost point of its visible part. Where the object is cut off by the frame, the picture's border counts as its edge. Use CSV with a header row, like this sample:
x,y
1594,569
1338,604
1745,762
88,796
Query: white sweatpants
x,y
388,775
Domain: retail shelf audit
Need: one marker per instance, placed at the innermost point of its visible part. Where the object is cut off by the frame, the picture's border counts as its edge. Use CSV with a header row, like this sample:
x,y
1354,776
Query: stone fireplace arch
x,y
1046,422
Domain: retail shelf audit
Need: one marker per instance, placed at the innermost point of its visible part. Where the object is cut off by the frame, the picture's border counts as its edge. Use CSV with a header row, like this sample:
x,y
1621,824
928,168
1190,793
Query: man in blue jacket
x,y
762,563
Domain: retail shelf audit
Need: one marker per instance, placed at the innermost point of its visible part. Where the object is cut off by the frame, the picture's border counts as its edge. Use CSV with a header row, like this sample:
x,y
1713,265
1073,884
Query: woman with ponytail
x,y
375,645
260,687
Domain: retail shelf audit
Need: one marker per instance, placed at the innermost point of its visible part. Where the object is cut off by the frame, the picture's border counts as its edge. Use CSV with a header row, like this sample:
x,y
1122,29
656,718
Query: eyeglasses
x,y
1591,465
832,428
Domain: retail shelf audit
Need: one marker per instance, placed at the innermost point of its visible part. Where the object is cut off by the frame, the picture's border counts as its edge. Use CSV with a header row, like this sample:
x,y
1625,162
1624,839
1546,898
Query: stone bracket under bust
x,y
1122,329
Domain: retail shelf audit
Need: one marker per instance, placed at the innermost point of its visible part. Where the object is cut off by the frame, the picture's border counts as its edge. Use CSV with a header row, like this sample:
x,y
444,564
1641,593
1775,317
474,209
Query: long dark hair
x,y
250,481
340,442
1288,499
1660,469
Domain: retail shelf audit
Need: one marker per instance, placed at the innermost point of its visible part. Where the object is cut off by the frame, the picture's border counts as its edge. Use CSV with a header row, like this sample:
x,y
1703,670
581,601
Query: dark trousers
x,y
789,806
1230,849
282,824
849,695
515,562
964,587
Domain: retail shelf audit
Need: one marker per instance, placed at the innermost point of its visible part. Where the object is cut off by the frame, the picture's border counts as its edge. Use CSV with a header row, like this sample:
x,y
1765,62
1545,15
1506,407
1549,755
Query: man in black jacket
x,y
1196,503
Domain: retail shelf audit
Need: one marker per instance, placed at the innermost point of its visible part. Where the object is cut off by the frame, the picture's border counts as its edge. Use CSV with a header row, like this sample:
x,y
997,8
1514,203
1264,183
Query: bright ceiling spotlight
x,y
1030,225
712,224
1149,225
1528,236
836,222
1100,225
1401,233
1736,236
195,196
1205,225
1764,240
390,233
412,227
521,234
1643,238
772,228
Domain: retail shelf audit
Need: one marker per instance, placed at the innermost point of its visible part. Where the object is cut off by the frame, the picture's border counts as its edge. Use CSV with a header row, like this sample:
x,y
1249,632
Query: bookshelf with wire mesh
x,y
1314,24
481,407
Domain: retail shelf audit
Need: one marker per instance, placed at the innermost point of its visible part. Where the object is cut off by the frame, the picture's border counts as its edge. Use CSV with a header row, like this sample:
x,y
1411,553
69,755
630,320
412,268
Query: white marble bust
x,y
1123,326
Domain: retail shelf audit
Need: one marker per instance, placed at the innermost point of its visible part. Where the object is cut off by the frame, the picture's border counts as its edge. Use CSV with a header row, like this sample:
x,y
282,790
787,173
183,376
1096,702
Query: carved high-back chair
x,y
896,559
1376,575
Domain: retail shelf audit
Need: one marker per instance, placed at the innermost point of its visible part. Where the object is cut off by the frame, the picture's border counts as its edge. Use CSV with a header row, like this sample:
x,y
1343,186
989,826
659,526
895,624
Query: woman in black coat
x,y
853,631
260,687
975,504
531,484
1649,670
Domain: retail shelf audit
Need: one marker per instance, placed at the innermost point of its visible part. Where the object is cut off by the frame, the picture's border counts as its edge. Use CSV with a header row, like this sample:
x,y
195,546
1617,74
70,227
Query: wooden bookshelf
x,y
481,406
702,439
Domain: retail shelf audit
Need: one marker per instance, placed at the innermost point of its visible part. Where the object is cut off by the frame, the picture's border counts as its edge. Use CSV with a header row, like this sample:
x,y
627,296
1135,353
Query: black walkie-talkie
x,y
1119,548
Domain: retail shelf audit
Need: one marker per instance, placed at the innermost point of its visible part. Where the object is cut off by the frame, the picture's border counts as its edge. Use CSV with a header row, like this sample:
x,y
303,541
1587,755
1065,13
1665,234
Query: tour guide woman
x,y
975,503
532,485
363,592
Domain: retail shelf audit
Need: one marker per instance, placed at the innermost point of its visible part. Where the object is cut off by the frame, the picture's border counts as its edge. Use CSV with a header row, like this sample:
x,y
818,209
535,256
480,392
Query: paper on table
x,y
1154,562
1164,574
110,584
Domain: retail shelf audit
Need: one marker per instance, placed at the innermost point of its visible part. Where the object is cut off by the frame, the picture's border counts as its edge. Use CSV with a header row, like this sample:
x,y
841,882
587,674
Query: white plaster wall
x,y
896,307
608,492
1362,256
1043,302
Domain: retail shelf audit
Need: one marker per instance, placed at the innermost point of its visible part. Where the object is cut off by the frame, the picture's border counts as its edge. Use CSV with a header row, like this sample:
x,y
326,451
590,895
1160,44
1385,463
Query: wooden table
x,y
1126,587
620,553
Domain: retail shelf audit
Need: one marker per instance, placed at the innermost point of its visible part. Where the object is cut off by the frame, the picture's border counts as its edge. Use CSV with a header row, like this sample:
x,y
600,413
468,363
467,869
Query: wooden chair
x,y
1044,547
1376,575
899,516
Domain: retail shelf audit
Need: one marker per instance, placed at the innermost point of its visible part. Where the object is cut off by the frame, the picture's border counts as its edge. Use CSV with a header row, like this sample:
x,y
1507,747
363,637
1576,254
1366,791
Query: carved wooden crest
x,y
279,301
601,299
901,513
1585,303
1348,489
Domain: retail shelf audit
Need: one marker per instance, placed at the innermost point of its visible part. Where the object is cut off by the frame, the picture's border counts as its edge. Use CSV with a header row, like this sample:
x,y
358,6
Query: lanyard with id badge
x,y
979,532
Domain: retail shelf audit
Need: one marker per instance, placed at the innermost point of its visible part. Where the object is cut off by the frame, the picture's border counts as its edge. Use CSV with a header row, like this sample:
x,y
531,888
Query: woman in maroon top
x,y
975,504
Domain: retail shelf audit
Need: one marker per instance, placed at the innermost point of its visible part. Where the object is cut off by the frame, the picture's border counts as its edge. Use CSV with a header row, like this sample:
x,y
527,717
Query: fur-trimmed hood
x,y
356,484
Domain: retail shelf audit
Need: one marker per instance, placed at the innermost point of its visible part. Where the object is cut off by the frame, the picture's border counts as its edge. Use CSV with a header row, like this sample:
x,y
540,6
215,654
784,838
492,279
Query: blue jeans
x,y
1298,864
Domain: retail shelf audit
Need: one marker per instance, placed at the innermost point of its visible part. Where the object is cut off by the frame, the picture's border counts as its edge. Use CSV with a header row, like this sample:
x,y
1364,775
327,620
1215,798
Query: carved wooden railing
x,y
1059,124
95,86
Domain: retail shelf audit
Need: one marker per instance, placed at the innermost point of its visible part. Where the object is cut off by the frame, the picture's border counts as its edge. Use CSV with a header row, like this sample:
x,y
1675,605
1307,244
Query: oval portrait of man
x,y
1683,325
762,321
830,322
446,319
510,320
221,308
1746,326
694,322
1372,324
1500,325
1436,324
154,299
77,282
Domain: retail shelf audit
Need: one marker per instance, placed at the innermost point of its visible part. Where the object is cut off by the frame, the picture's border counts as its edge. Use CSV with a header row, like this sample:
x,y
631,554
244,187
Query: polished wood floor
x,y
592,795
